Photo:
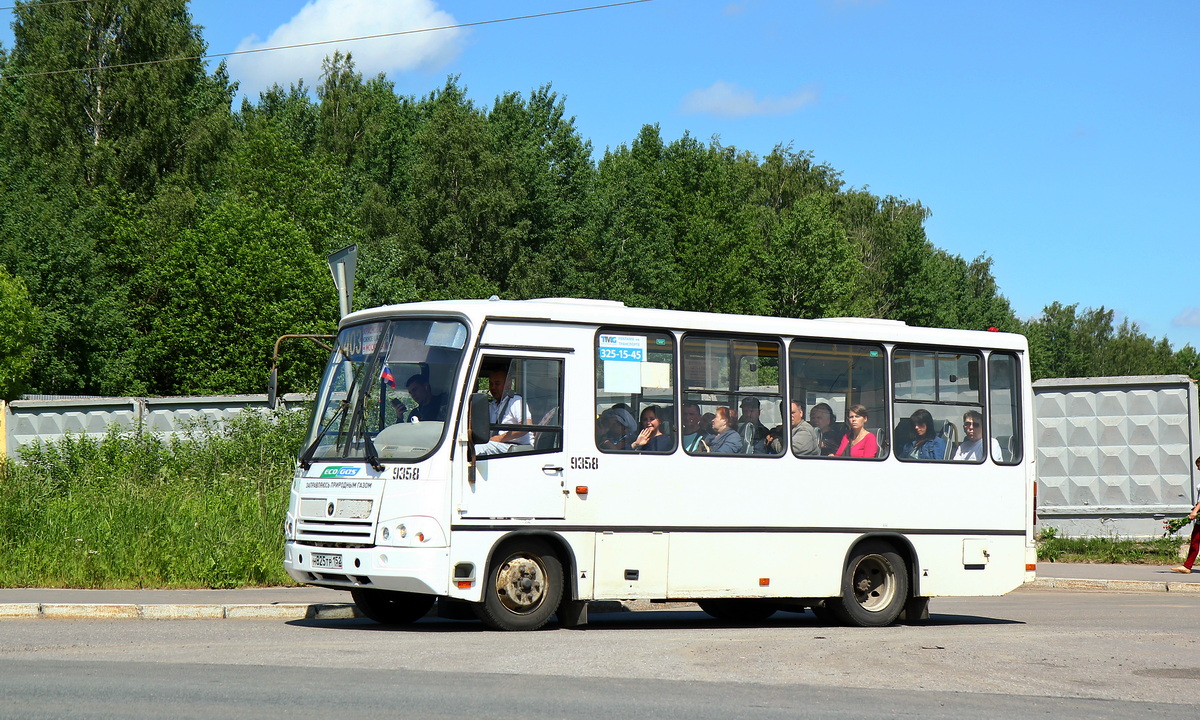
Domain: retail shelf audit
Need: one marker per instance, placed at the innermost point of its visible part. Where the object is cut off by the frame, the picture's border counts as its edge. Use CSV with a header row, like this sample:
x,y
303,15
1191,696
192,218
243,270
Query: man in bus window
x,y
506,409
971,449
429,406
805,439
757,433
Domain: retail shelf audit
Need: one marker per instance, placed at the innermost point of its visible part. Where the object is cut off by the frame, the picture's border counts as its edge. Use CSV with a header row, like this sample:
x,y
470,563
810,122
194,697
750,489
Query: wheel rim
x,y
874,583
521,584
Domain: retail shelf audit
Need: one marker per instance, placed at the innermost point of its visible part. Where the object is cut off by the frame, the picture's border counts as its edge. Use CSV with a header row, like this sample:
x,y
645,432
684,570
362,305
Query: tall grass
x,y
1113,549
129,510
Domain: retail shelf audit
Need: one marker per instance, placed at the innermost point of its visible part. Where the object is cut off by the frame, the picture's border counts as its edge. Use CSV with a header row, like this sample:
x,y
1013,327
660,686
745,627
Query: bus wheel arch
x,y
876,581
526,581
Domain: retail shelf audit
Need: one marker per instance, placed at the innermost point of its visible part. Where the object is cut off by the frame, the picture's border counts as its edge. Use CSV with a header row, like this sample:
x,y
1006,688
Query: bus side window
x,y
734,399
525,408
834,379
937,398
635,391
1004,409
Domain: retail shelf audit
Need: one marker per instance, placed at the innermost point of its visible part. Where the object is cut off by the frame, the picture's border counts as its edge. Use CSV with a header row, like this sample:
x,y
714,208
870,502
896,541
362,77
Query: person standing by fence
x,y
1194,547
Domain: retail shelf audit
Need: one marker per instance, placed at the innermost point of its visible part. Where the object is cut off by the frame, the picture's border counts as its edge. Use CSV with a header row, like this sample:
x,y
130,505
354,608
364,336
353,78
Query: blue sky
x,y
1059,138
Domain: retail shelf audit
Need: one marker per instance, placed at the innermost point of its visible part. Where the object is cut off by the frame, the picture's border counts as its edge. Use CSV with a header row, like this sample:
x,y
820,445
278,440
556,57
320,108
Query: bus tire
x,y
874,586
388,607
737,610
524,587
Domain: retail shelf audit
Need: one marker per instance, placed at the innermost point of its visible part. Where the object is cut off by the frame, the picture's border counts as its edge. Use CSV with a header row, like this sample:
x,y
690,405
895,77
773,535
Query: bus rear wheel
x,y
874,586
392,608
524,587
738,610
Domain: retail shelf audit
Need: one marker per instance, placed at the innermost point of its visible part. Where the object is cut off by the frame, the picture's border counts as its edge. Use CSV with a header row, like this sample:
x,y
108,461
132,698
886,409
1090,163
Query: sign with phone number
x,y
622,348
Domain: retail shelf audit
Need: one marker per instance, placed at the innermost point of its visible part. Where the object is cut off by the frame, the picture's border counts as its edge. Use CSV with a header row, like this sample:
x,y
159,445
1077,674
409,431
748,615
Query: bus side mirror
x,y
480,422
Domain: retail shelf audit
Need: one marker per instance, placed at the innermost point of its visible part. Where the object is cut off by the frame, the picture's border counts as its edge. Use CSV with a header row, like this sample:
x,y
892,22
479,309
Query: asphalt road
x,y
1034,652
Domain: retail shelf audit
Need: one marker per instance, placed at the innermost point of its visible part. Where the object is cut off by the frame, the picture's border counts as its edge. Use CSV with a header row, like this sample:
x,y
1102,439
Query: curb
x,y
83,611
1121,586
346,611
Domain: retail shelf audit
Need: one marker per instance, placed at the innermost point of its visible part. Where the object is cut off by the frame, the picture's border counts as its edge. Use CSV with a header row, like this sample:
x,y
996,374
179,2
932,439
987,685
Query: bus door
x,y
520,473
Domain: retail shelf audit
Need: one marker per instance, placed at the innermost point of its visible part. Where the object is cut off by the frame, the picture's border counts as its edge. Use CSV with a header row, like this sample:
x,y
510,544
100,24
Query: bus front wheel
x,y
524,587
874,586
392,608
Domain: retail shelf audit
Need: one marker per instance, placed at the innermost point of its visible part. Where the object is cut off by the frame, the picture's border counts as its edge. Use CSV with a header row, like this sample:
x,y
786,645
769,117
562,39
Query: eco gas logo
x,y
336,471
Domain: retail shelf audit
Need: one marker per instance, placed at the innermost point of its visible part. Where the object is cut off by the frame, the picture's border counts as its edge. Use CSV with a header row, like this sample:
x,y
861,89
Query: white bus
x,y
494,454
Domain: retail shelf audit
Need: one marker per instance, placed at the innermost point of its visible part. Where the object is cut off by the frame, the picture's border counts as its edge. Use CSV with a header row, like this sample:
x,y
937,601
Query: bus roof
x,y
611,312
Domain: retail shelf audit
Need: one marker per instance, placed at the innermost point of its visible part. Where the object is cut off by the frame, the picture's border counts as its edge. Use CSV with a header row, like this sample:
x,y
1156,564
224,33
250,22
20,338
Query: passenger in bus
x,y
858,441
773,442
725,437
827,430
506,409
652,438
615,429
805,439
693,438
430,406
971,449
750,425
925,444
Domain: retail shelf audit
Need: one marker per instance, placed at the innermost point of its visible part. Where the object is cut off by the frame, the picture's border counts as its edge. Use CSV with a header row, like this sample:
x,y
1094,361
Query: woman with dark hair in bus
x,y
725,438
925,444
858,441
652,438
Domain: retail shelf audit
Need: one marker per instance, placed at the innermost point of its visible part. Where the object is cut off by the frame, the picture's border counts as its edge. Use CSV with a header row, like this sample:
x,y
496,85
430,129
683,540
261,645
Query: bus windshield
x,y
386,392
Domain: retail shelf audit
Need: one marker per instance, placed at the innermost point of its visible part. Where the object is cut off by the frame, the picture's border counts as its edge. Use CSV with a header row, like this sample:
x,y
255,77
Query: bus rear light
x,y
1030,567
465,584
581,489
764,582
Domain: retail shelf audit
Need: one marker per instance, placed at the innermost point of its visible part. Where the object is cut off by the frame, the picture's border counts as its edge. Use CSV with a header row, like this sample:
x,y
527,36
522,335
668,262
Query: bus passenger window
x,y
1004,409
734,399
635,391
931,391
843,388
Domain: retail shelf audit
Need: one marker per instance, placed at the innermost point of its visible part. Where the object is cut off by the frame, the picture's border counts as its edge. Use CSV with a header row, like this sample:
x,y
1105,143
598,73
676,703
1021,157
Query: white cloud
x,y
321,20
1190,317
729,100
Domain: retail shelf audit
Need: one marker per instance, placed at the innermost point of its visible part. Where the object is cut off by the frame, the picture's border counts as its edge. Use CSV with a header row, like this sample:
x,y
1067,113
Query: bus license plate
x,y
323,560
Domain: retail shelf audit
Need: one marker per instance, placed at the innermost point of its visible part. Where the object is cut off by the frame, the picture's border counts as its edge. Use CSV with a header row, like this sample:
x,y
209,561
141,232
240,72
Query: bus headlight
x,y
289,528
412,531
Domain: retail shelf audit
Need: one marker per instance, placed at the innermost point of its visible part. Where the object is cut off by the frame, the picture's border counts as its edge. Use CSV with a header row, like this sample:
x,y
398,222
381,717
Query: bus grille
x,y
357,533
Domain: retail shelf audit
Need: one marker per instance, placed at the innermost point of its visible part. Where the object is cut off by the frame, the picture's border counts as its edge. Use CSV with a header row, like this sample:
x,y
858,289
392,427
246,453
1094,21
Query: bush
x,y
130,510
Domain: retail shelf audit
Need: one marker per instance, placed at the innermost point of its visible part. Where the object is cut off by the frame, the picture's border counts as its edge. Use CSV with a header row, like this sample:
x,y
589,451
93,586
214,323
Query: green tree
x,y
553,176
117,115
18,317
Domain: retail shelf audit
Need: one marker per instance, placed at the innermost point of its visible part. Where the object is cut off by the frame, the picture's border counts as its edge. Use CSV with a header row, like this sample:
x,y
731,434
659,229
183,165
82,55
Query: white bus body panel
x,y
678,526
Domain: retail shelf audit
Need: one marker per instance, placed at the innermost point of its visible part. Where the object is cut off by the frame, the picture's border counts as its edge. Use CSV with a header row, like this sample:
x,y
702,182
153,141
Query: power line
x,y
316,42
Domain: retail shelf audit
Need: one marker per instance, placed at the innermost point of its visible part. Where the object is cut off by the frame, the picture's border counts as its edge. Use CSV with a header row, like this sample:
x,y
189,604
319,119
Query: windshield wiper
x,y
306,456
372,454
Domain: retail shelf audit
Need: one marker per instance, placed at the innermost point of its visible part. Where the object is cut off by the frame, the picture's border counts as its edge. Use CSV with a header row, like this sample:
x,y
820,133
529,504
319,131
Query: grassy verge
x,y
1155,551
130,510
